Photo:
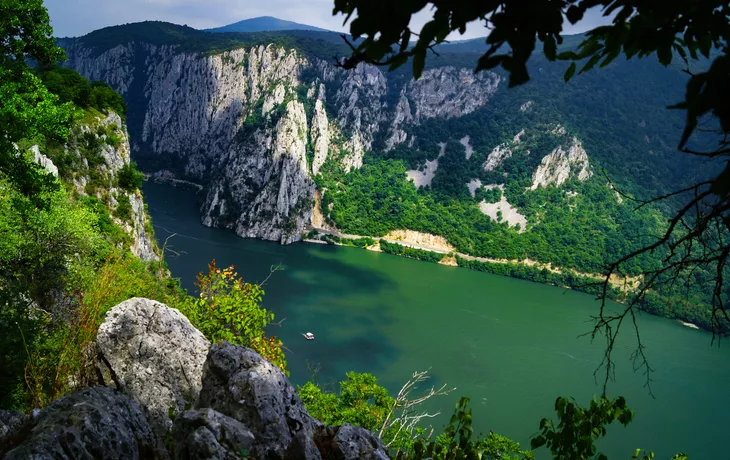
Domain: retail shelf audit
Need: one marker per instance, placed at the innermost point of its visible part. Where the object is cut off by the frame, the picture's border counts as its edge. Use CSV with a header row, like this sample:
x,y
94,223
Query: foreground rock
x,y
207,434
239,383
152,353
350,442
91,423
10,422
243,406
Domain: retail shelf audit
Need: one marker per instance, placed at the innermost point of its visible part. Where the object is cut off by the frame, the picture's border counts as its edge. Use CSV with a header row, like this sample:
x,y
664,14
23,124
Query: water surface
x,y
512,346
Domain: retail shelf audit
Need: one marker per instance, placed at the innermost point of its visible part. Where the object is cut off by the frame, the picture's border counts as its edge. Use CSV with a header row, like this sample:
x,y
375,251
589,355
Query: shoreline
x,y
451,255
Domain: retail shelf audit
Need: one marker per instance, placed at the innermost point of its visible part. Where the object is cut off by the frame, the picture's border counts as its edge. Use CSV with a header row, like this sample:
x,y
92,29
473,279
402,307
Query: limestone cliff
x,y
255,124
96,152
561,164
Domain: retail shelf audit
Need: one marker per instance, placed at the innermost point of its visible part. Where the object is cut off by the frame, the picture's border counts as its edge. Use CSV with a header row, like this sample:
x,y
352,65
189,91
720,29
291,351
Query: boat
x,y
309,336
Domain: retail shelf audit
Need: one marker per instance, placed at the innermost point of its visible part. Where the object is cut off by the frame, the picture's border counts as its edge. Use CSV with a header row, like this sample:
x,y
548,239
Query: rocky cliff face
x,y
561,164
256,124
97,151
167,393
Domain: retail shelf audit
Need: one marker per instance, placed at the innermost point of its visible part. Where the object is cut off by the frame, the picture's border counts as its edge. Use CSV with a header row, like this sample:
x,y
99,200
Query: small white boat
x,y
309,336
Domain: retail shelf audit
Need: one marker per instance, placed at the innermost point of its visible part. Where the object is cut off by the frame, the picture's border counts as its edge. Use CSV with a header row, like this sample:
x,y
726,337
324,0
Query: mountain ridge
x,y
264,24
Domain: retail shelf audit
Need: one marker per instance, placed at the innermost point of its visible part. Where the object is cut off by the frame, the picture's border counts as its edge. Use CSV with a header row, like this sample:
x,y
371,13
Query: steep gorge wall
x,y
255,124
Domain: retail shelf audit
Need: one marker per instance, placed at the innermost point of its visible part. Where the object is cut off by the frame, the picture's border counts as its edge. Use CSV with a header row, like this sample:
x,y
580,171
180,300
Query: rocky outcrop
x,y
239,383
10,422
320,135
152,353
561,164
264,188
91,423
451,92
207,434
44,161
496,157
401,119
100,149
240,405
349,442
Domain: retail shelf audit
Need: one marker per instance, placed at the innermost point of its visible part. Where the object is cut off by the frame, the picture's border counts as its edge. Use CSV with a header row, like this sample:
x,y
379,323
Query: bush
x,y
129,178
124,207
230,309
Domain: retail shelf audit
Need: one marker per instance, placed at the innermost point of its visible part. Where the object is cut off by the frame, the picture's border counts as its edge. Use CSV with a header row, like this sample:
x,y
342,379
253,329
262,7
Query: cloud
x,y
79,17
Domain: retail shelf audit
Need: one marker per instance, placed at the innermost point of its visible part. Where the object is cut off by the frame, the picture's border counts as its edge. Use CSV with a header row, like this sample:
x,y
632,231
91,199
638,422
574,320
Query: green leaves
x,y
578,427
570,72
230,309
638,28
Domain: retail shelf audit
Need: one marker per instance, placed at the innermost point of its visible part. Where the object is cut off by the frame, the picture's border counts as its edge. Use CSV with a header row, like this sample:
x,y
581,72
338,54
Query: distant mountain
x,y
264,24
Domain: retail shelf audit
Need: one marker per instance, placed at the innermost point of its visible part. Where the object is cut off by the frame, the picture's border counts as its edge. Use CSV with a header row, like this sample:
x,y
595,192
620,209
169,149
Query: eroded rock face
x,y
264,189
153,354
239,383
10,422
207,434
320,136
91,423
191,110
350,442
496,157
561,164
451,92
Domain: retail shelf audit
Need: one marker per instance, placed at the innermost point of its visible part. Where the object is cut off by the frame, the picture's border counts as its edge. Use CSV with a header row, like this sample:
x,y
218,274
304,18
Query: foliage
x,y
26,32
39,250
412,253
129,178
27,109
456,442
360,401
575,435
230,309
124,207
69,86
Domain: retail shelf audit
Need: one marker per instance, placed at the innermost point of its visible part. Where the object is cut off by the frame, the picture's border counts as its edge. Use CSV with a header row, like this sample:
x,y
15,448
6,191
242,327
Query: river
x,y
512,346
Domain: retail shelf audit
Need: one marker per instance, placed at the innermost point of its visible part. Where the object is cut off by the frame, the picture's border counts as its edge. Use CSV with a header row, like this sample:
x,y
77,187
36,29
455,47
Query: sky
x,y
73,18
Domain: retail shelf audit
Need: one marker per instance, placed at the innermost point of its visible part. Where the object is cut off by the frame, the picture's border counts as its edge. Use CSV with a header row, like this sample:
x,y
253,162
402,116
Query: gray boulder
x,y
238,382
153,354
348,442
10,422
88,424
207,434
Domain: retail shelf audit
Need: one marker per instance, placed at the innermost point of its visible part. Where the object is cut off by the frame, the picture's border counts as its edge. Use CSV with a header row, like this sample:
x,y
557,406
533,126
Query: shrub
x,y
129,178
230,309
124,207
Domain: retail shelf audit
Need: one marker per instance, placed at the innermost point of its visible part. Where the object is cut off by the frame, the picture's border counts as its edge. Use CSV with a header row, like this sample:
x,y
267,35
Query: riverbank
x,y
446,254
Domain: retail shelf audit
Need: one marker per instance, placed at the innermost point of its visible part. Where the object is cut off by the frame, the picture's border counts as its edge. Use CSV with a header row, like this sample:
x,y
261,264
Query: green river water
x,y
512,346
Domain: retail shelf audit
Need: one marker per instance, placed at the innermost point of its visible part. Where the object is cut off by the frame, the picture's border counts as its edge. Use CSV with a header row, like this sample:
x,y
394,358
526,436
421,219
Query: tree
x,y
27,109
697,236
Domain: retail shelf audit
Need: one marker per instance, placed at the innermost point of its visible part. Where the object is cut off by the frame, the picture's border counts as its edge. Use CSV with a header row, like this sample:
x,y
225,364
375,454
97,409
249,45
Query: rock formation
x,y
217,402
247,123
560,164
90,423
153,354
